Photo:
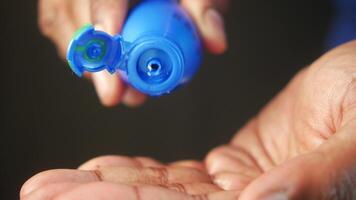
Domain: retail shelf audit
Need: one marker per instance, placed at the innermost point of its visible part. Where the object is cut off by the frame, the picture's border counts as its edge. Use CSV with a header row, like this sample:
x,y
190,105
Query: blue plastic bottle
x,y
159,48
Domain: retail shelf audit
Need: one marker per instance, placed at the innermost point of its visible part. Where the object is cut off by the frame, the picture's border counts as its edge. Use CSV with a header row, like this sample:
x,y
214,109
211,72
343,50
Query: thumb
x,y
327,173
301,178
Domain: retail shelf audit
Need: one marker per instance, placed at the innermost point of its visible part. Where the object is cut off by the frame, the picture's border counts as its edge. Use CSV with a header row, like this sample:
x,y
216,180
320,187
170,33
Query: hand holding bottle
x,y
58,20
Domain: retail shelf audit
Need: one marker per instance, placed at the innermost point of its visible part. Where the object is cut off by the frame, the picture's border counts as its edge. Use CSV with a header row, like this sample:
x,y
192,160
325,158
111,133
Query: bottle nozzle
x,y
154,67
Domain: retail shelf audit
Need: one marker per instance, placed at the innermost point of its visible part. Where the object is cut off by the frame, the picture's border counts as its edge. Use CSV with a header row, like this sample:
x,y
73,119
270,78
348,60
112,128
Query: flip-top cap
x,y
153,65
93,51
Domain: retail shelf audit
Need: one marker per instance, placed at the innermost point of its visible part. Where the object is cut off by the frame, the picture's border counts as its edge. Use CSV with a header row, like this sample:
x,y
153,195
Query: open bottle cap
x,y
153,65
93,51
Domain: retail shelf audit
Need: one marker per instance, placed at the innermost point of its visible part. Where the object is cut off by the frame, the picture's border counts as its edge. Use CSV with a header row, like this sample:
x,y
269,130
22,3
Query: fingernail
x,y
105,26
276,196
107,87
99,22
214,27
99,27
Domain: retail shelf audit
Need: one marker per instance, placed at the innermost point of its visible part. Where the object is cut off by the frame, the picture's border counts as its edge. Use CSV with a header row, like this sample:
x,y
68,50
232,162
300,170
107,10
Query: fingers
x,y
152,176
133,98
229,158
231,168
59,19
189,163
194,188
232,181
209,22
56,176
148,162
104,161
48,191
112,90
123,161
56,23
107,191
126,175
53,190
52,183
80,12
108,15
109,87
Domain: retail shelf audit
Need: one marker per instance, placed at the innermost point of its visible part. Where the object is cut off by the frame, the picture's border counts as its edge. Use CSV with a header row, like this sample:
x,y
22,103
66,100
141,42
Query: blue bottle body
x,y
159,48
343,27
168,20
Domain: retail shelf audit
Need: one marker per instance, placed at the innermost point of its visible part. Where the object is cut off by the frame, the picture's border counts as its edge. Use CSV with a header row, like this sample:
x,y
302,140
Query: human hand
x,y
303,144
59,19
299,147
118,177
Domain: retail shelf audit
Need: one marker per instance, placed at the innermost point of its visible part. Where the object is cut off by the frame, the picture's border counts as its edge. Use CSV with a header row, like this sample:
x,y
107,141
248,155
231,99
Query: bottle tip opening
x,y
155,66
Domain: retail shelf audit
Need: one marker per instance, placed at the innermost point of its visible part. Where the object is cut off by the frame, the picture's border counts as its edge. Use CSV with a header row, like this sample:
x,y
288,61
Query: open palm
x,y
302,145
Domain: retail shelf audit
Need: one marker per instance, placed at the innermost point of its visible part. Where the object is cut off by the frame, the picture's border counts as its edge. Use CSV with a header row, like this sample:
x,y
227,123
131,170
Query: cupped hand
x,y
302,145
118,177
59,19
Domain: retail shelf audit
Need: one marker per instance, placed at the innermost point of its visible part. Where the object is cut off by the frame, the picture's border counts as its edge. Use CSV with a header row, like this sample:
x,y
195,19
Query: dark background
x,y
51,119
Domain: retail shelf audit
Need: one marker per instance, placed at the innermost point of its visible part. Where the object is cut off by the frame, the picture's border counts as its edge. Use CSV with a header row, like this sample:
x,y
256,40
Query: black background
x,y
51,119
